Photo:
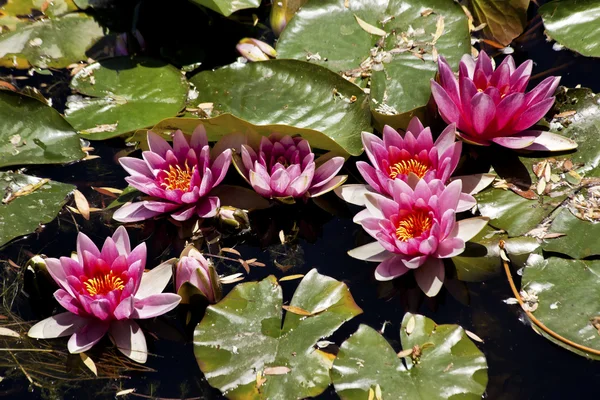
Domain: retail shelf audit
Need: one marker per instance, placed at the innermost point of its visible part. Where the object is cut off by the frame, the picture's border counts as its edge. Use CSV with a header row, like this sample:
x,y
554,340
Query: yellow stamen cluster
x,y
405,167
413,225
178,178
103,284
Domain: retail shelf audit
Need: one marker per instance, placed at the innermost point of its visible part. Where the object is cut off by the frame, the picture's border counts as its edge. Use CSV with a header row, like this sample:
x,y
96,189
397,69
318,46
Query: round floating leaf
x,y
481,258
574,24
54,43
224,124
449,366
16,12
288,92
244,351
33,133
346,38
505,20
125,94
227,7
566,293
580,238
28,202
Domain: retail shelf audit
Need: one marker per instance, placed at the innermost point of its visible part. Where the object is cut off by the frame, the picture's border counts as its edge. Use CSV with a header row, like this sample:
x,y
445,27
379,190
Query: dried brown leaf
x,y
291,277
82,204
297,310
276,370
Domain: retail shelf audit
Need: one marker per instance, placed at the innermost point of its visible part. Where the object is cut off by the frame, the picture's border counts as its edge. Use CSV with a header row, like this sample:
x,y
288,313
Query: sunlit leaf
x,y
443,363
243,335
227,7
124,94
16,12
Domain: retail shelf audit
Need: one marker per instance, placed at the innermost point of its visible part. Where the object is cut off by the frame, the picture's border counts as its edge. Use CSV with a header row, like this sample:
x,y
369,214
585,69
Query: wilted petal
x,y
129,339
58,325
430,276
547,141
86,337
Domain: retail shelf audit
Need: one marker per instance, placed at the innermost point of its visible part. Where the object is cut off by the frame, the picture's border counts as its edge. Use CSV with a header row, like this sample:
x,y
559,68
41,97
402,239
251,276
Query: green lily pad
x,y
566,291
125,94
33,133
399,64
481,258
54,43
289,92
581,237
574,24
241,339
227,7
505,20
16,12
224,124
450,365
37,203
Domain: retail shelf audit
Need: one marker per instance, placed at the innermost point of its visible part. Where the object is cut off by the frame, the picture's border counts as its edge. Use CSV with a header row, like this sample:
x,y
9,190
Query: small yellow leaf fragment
x,y
260,380
541,186
9,333
296,310
410,325
439,29
108,191
378,395
232,251
371,394
405,353
473,336
276,370
101,128
25,190
426,12
565,114
373,30
347,3
82,204
291,277
124,392
89,363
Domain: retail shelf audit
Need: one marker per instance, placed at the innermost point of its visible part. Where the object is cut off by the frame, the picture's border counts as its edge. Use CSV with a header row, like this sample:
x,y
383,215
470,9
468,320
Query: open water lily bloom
x,y
415,230
490,105
104,291
285,167
178,178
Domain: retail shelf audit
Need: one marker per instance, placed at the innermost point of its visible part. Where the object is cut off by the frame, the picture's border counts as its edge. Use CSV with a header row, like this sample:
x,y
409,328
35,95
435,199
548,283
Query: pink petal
x,y
129,339
368,140
124,309
523,72
155,305
507,108
220,166
154,281
484,64
327,171
185,213
430,275
465,202
68,302
329,186
533,114
199,140
135,167
389,269
260,184
134,212
121,239
450,247
155,162
101,309
391,138
483,111
280,180
180,145
86,337
370,252
447,108
448,82
446,138
369,174
467,66
58,273
300,185
158,145
514,142
58,325
207,208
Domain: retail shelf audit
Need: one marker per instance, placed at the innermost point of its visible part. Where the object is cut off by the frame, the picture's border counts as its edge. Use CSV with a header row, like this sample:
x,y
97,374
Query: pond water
x,y
522,365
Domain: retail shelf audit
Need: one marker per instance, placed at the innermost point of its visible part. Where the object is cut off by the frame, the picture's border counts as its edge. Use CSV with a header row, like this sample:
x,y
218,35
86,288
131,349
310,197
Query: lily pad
x,y
566,291
227,7
16,12
33,133
289,92
449,366
241,340
505,20
125,94
574,24
346,37
54,43
224,124
481,258
585,242
27,203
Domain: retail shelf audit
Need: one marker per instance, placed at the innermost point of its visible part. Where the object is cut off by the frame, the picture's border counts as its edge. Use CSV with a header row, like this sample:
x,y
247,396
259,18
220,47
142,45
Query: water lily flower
x,y
104,291
179,178
285,167
255,50
192,267
490,105
415,230
414,155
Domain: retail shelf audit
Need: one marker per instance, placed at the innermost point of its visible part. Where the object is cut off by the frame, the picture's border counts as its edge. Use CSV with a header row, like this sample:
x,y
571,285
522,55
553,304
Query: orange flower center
x,y
405,167
103,284
178,178
413,225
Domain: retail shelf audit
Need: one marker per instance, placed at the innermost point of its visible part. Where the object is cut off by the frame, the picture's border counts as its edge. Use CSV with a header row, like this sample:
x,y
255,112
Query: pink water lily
x,y
415,230
490,105
178,179
192,267
104,291
285,167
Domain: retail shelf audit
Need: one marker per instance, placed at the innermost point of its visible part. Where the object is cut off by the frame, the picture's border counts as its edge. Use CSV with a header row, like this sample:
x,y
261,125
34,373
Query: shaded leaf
x,y
227,7
505,20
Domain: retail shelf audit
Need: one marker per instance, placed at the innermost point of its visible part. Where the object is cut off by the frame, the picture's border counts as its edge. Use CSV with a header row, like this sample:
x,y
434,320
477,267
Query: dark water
x,y
522,365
